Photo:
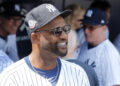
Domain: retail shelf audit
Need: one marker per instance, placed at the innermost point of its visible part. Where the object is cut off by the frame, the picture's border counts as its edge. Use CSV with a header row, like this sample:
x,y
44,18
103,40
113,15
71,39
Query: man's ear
x,y
35,38
104,27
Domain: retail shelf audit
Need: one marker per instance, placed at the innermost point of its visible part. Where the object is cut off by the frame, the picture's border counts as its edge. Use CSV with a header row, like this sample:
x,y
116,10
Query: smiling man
x,y
98,51
49,35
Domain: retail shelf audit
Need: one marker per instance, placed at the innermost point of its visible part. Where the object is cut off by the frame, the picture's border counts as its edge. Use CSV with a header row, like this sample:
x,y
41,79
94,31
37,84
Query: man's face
x,y
10,24
93,33
54,43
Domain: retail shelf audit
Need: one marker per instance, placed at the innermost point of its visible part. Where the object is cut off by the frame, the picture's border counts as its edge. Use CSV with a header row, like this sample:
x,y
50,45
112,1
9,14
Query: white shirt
x,y
105,59
9,47
22,74
5,61
117,42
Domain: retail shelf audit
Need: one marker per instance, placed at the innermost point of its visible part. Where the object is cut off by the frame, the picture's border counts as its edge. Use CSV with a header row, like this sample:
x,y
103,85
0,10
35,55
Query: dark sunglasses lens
x,y
67,29
58,31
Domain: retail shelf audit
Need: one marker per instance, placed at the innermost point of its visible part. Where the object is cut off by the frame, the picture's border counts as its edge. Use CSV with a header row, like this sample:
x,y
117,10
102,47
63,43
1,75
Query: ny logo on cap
x,y
102,21
17,7
32,24
50,8
89,13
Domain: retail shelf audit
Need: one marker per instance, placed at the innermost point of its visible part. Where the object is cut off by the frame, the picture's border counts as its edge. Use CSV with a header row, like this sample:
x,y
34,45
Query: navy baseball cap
x,y
11,9
95,16
42,15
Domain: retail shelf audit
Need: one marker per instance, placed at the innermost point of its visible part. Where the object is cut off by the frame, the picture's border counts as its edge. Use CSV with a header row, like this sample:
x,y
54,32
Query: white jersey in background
x,y
22,74
105,59
5,61
9,47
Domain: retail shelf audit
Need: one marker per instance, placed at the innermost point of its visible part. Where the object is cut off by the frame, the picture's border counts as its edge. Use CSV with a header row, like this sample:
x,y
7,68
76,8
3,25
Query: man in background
x,y
10,20
98,51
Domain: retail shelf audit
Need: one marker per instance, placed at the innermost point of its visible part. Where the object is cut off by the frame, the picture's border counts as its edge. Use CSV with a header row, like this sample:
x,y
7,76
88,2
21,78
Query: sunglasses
x,y
91,28
58,30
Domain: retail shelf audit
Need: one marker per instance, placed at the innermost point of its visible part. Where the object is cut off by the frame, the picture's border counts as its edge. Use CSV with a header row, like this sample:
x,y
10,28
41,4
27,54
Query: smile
x,y
62,45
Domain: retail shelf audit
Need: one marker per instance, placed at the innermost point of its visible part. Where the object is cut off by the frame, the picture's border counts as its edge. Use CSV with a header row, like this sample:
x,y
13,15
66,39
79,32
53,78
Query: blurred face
x,y
54,37
76,22
93,34
10,24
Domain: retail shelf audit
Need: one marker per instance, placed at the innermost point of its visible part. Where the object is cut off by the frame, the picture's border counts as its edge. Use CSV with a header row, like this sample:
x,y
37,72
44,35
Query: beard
x,y
58,51
56,48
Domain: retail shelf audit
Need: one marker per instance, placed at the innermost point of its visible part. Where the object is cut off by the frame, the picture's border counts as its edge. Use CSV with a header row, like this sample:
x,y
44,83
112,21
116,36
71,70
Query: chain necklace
x,y
53,79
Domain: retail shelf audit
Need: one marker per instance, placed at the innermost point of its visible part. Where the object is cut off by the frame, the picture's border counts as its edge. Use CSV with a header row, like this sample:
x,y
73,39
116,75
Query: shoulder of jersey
x,y
110,48
13,67
4,57
72,65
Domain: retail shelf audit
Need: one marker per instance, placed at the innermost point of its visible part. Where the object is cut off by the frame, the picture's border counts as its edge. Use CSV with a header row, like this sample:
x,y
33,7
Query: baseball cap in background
x,y
42,15
11,9
95,16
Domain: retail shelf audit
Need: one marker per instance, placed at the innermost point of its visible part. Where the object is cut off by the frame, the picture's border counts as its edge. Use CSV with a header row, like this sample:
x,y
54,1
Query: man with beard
x,y
49,33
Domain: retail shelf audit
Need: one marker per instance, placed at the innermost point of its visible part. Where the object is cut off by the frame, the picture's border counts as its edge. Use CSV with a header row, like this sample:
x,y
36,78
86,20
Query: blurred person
x,y
72,44
106,7
73,19
5,61
77,14
116,42
98,51
10,19
24,47
43,67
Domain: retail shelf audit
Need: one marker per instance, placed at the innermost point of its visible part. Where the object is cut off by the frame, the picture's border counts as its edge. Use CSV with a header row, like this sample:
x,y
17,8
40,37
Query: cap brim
x,y
65,13
90,22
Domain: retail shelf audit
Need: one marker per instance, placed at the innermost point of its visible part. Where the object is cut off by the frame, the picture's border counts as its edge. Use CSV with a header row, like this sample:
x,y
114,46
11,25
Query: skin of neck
x,y
42,59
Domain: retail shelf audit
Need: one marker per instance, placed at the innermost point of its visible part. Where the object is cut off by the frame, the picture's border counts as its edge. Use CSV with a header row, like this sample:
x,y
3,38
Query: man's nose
x,y
64,35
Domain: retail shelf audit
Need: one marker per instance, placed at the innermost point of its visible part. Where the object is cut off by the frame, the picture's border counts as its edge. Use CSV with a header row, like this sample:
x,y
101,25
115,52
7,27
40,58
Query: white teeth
x,y
62,44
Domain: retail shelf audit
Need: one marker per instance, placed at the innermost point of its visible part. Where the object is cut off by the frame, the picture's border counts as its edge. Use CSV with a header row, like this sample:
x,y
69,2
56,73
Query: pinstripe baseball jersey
x,y
9,47
117,42
105,59
5,61
22,74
